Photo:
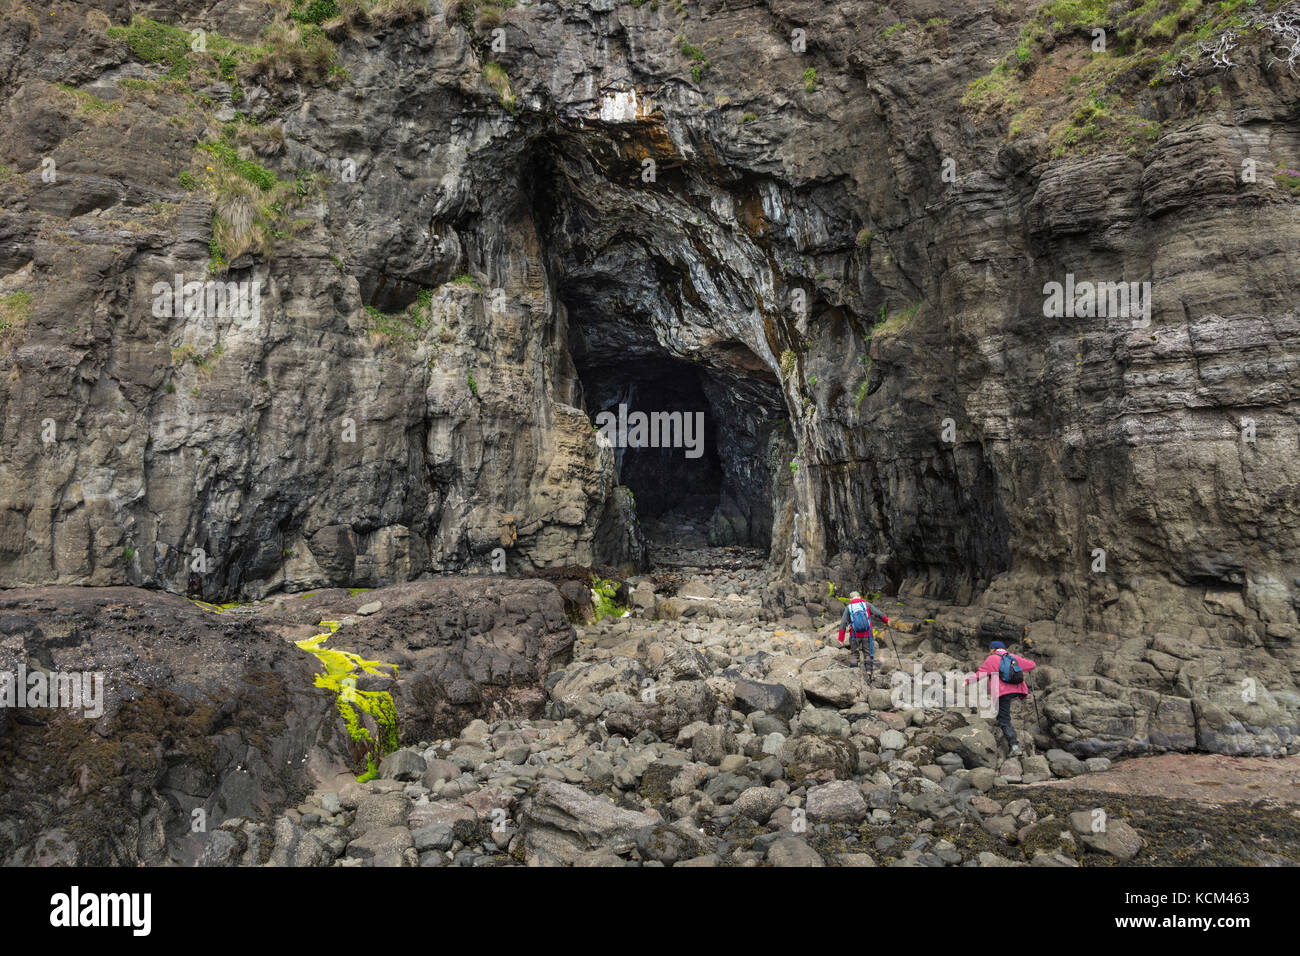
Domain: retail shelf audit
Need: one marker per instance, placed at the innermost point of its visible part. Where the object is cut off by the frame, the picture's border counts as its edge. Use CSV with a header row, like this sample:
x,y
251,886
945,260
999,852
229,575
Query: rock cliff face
x,y
473,229
198,718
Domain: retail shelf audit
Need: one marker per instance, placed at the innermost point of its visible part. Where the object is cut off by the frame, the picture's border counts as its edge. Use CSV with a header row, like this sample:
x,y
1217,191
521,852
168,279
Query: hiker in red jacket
x,y
857,618
1005,690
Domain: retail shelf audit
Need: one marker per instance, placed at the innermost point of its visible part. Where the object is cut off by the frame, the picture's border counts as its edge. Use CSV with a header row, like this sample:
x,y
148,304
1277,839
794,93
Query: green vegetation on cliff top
x,y
1059,78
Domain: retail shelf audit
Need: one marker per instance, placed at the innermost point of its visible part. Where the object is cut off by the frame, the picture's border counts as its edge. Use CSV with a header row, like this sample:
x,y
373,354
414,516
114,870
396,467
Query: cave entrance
x,y
641,347
665,437
694,441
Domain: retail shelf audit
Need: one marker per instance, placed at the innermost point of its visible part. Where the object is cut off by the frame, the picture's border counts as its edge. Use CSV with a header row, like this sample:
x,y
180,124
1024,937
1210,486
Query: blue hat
x,y
997,646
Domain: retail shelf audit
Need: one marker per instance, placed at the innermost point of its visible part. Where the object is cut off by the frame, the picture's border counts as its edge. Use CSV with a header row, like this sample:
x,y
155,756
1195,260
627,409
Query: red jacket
x,y
990,666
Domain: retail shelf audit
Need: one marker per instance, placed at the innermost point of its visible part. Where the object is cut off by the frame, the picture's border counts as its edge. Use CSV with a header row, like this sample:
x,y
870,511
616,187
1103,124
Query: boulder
x,y
438,770
624,674
463,820
758,803
838,802
676,706
561,817
712,744
1036,766
294,846
792,851
1104,833
643,596
379,811
974,743
451,673
820,720
683,662
765,724
768,697
669,843
813,754
385,846
892,740
436,836
1065,764
838,686
402,765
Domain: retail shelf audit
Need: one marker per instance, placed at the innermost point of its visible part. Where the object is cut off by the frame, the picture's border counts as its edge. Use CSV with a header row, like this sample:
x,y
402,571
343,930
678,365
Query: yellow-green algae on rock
x,y
606,604
341,670
215,608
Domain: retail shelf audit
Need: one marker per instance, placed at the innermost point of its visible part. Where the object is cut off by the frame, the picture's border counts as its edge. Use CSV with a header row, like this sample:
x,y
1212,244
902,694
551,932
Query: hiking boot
x,y
853,659
1015,750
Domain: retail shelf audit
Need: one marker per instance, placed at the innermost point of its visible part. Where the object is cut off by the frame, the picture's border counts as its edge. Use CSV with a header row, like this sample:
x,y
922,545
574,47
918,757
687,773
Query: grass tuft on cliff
x,y
480,15
1064,76
895,323
314,11
699,61
340,672
289,50
403,329
251,205
495,76
15,311
90,104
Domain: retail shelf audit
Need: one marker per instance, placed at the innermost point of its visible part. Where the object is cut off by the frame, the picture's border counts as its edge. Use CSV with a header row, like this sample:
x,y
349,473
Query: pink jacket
x,y
990,666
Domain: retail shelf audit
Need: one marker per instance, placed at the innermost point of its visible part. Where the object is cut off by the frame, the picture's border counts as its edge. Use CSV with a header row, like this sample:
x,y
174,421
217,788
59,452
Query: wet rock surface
x,y
463,647
1209,778
201,712
211,715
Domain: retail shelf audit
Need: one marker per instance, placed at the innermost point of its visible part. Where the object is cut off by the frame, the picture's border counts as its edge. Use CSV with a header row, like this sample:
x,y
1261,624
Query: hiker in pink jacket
x,y
1005,691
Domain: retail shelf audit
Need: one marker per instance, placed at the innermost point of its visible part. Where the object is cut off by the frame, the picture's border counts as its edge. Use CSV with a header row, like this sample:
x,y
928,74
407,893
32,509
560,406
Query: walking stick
x,y
1034,697
897,660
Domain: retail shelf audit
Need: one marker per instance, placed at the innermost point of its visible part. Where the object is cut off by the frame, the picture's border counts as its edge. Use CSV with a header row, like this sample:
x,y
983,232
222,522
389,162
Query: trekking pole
x,y
897,660
1034,697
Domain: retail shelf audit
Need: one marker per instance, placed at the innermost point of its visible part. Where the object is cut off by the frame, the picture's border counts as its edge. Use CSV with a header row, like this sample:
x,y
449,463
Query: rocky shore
x,y
720,739
700,726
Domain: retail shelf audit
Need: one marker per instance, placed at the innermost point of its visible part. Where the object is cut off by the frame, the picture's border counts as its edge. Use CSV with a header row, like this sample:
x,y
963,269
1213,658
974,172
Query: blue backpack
x,y
859,616
1009,671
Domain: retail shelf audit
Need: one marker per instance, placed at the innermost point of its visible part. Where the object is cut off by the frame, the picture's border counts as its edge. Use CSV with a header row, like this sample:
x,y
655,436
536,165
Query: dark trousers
x,y
857,639
1004,718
